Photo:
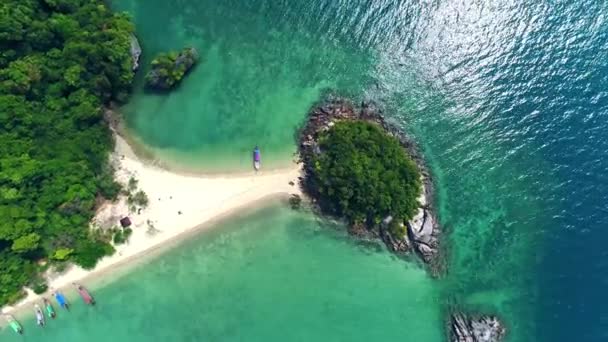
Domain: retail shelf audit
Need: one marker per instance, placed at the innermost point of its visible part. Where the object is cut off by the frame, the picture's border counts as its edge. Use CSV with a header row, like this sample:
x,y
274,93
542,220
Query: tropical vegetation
x,y
364,175
61,61
168,69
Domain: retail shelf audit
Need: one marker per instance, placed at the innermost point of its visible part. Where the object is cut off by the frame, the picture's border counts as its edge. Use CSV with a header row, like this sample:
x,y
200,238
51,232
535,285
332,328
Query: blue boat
x,y
61,300
256,158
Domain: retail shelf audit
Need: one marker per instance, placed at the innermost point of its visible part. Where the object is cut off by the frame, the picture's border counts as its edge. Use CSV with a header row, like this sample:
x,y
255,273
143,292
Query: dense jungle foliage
x,y
364,175
60,62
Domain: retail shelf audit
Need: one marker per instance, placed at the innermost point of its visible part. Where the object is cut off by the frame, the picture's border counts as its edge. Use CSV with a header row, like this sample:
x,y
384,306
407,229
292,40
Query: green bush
x,y
40,288
397,228
89,252
363,174
140,198
127,233
122,235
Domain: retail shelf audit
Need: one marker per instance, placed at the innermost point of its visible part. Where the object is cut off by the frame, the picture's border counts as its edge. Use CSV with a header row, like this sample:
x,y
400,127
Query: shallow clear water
x,y
507,99
257,77
271,275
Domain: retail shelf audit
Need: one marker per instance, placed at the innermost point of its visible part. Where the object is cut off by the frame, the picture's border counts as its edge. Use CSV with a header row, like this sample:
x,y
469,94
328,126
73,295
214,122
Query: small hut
x,y
125,222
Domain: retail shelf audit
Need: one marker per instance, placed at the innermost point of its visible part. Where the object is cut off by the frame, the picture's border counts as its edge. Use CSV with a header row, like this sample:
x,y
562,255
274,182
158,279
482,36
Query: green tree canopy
x,y
363,174
60,62
26,243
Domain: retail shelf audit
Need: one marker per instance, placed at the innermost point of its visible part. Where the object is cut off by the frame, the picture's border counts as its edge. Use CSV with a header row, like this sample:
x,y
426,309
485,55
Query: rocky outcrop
x,y
168,69
423,231
135,52
476,329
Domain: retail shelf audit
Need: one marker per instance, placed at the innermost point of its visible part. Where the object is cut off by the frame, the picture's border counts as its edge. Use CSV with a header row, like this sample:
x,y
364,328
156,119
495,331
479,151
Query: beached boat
x,y
86,296
39,315
50,311
61,300
12,322
256,159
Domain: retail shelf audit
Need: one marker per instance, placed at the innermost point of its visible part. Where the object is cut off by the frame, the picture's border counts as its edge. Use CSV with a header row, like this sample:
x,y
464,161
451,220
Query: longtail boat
x,y
16,326
86,296
39,315
257,163
50,311
61,300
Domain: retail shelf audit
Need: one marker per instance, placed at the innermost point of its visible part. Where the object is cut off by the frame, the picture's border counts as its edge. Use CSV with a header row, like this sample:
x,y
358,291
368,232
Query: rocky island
x,y
365,171
168,69
391,187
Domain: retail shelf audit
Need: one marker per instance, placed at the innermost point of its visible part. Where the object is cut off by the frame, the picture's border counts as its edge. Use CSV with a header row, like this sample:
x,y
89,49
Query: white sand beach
x,y
178,204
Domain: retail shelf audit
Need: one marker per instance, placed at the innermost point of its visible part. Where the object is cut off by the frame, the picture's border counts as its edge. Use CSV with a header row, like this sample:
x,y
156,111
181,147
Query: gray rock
x,y
427,227
415,224
478,329
135,52
168,71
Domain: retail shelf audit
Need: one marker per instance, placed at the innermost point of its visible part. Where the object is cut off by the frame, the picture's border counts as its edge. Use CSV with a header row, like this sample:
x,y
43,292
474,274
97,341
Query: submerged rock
x,y
135,52
478,329
168,69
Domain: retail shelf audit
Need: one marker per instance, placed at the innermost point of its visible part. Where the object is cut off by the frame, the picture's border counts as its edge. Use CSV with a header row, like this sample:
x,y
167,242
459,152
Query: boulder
x,y
476,329
168,69
135,52
415,224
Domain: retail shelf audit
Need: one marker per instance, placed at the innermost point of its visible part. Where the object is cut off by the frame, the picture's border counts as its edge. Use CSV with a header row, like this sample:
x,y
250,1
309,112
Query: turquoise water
x,y
264,63
256,80
270,275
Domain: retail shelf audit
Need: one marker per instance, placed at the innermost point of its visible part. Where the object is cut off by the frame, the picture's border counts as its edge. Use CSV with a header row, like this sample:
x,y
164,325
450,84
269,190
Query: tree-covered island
x,y
360,169
61,61
168,69
364,175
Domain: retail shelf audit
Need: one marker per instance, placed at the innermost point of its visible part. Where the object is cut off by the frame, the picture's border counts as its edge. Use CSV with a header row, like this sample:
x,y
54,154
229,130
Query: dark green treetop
x,y
363,174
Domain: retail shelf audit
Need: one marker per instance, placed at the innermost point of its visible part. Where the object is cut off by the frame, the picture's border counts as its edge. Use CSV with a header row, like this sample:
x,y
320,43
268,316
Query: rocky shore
x,y
135,50
423,230
465,328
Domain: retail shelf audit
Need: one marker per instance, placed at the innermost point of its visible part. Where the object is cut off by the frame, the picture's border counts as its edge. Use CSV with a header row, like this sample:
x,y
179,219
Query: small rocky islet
x,y
421,232
169,69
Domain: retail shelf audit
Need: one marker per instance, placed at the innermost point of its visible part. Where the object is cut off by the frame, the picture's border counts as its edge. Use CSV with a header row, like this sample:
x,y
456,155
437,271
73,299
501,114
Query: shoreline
x,y
166,159
179,206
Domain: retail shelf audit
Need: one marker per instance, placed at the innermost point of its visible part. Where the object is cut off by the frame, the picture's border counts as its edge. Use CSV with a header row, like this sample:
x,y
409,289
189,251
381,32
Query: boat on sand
x,y
39,315
84,293
50,311
257,163
12,322
61,300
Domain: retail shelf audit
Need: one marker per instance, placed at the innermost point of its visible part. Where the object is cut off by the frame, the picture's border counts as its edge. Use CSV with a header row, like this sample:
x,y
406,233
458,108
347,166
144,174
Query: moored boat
x,y
61,300
16,326
86,296
257,162
39,315
50,311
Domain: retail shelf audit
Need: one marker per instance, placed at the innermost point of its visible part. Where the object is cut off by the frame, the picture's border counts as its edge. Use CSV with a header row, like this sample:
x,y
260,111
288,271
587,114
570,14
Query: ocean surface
x,y
508,101
268,275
